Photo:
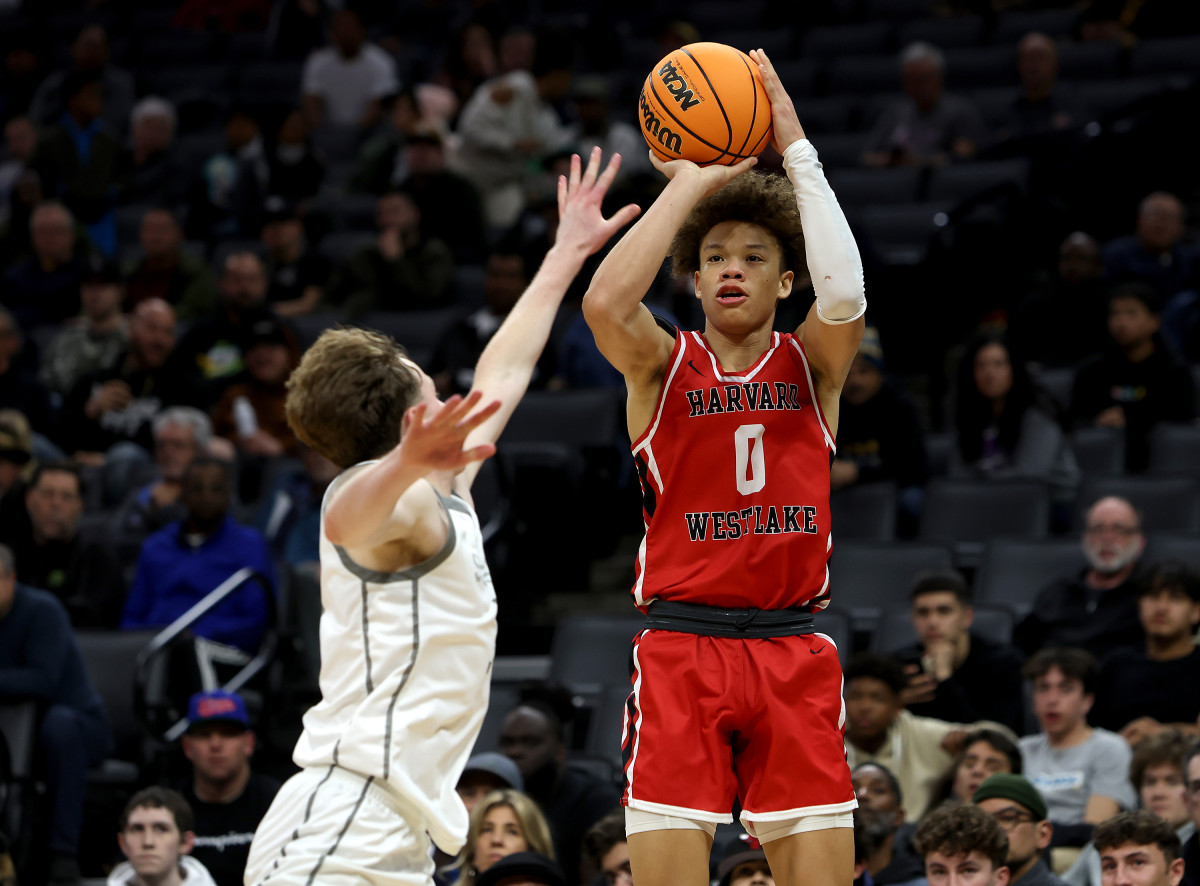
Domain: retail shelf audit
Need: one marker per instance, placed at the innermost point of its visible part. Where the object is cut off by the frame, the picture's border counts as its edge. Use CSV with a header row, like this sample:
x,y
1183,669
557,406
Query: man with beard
x,y
1143,691
1097,610
893,861
572,799
1020,810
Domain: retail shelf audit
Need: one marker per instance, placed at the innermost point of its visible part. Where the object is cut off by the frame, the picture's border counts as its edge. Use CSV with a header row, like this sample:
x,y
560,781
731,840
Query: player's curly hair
x,y
757,197
960,829
349,394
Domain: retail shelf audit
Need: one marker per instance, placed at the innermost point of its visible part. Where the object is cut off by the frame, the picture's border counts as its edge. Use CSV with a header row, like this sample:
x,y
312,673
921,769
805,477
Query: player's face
x,y
152,842
1059,702
871,706
499,835
980,760
428,391
964,869
1162,792
1134,865
939,617
751,873
1167,613
220,752
740,281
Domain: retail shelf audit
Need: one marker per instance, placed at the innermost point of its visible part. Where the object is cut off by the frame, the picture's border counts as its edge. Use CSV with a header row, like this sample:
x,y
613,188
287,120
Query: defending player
x,y
732,433
409,622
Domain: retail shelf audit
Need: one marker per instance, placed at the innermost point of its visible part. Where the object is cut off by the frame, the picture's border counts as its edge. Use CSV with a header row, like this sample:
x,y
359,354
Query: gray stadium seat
x,y
1058,383
590,653
1012,26
310,326
1175,449
872,187
981,67
833,114
840,149
1013,571
867,577
776,41
1099,60
416,330
864,512
340,245
1099,450
939,446
962,181
1167,504
1105,97
799,76
834,41
901,233
863,74
968,513
896,629
836,624
582,419
1163,546
948,33
1171,55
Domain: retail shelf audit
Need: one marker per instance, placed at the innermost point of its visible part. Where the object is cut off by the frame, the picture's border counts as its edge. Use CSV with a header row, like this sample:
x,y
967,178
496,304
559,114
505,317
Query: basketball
x,y
705,102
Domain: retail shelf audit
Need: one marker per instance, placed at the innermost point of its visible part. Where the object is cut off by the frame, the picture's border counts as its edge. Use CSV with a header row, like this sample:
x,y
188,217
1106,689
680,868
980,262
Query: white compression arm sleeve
x,y
833,259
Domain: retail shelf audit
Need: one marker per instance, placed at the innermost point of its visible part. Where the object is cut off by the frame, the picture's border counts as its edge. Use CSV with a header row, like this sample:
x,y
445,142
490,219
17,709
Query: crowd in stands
x,y
191,192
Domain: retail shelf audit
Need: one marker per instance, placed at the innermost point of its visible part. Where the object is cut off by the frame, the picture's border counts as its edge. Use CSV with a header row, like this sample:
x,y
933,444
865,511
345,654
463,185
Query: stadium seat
x,y
1175,449
340,245
867,577
799,76
981,67
962,181
864,513
939,446
176,80
873,187
583,418
968,513
840,150
1170,55
948,33
1099,450
994,104
833,114
1058,383
776,41
896,629
1012,571
1163,546
167,48
836,41
1103,98
863,75
590,653
1012,26
347,212
1099,60
194,150
337,144
268,82
837,625
1167,504
502,699
607,722
309,327
897,10
901,233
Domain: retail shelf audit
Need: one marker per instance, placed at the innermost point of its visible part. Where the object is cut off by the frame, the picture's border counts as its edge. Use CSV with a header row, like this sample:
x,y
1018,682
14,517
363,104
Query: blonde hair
x,y
533,827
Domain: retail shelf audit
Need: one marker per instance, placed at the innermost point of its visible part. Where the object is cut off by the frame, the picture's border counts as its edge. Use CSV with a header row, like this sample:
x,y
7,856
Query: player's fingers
x,y
742,166
479,416
573,180
478,453
624,216
593,167
610,172
562,195
414,416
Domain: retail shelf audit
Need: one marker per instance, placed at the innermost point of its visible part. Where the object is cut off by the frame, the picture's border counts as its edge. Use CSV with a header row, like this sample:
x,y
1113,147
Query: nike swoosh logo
x,y
814,651
694,369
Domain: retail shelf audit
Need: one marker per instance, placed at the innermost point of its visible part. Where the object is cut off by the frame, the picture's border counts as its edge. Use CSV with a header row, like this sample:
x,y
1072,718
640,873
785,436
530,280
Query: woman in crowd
x,y
504,822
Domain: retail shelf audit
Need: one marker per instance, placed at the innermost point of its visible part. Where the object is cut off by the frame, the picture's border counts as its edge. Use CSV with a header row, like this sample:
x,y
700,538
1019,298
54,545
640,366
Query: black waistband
x,y
717,621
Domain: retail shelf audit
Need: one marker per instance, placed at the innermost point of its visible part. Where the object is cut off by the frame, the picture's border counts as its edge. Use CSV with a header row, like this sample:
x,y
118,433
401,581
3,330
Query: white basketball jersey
x,y
406,661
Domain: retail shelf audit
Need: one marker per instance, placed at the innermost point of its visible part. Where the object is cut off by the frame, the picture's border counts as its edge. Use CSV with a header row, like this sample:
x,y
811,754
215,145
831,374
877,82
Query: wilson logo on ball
x,y
678,86
654,129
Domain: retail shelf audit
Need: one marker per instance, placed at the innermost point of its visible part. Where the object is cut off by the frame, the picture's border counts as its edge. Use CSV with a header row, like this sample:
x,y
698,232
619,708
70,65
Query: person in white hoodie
x,y
156,837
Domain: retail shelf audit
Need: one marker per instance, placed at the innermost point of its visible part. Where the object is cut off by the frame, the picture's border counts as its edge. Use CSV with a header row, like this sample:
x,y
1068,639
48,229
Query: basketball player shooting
x,y
733,430
409,614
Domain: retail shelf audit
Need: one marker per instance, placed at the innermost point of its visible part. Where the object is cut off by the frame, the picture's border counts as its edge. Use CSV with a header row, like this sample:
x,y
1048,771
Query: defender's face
x,y
740,280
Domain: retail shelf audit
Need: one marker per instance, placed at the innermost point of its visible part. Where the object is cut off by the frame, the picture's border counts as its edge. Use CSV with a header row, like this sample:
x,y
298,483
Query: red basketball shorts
x,y
714,718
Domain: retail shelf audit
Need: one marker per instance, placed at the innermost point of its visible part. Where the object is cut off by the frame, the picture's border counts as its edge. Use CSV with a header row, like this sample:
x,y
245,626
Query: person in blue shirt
x,y
183,562
40,661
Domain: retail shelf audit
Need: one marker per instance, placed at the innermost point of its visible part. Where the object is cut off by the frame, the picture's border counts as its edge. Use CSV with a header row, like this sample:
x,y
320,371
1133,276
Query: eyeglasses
x,y
1123,531
1010,818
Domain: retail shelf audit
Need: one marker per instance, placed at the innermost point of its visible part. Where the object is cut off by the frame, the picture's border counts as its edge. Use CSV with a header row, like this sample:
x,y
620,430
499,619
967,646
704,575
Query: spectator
x,y
213,201
1156,772
402,270
927,126
20,140
985,753
955,674
502,823
154,173
118,405
1156,252
1081,772
212,354
1141,692
156,837
878,730
1019,809
83,573
879,431
592,97
20,388
43,290
893,861
872,833
95,344
178,565
458,350
1042,106
963,844
296,273
606,849
167,271
1191,781
1096,610
80,162
485,773
572,799
382,163
250,413
181,434
1138,382
1139,848
1070,297
291,169
227,797
39,661
290,513
509,121
344,84
451,210
470,61
16,466
22,54
744,865
523,869
90,55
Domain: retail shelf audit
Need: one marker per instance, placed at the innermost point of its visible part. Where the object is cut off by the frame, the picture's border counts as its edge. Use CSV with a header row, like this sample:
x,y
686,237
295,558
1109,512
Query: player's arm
x,y
366,511
508,361
834,326
625,331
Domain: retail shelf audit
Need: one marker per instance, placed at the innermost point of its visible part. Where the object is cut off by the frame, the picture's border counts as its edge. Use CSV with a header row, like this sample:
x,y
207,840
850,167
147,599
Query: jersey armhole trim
x,y
677,353
425,566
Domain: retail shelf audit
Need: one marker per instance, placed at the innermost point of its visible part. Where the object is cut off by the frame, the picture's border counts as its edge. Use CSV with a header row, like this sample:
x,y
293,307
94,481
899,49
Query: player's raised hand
x,y
581,223
714,175
785,122
435,442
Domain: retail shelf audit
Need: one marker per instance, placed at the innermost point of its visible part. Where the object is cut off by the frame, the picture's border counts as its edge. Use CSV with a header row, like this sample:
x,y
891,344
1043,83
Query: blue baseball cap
x,y
217,706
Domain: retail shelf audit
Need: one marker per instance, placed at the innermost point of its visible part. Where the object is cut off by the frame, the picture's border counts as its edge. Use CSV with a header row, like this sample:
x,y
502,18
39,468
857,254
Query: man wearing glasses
x,y
1096,610
1020,810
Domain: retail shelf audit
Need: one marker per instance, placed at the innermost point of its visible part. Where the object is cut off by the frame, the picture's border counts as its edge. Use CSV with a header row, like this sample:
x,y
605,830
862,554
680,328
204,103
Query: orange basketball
x,y
705,102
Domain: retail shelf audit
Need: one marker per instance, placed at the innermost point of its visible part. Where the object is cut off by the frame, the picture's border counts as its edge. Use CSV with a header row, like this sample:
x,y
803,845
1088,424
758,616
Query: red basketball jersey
x,y
734,470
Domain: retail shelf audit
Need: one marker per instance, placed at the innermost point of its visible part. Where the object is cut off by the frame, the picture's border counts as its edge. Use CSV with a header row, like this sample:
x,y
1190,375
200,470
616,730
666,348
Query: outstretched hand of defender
x,y
581,223
785,122
436,442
